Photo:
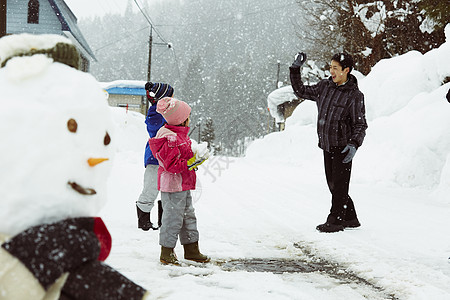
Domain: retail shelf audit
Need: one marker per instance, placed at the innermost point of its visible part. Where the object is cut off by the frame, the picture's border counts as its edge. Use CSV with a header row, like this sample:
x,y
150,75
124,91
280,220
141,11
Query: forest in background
x,y
225,57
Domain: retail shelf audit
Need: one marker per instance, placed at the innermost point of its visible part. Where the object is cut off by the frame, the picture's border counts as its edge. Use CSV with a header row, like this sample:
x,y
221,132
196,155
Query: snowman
x,y
56,151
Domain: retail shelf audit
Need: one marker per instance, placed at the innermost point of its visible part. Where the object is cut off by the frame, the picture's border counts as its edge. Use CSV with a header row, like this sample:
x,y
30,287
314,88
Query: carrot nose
x,y
95,161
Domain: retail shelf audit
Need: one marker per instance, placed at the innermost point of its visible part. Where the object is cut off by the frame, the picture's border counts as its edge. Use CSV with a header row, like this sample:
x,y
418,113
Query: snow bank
x,y
130,130
408,139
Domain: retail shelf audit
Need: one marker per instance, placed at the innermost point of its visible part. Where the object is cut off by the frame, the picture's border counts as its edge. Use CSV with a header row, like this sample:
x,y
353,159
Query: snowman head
x,y
56,138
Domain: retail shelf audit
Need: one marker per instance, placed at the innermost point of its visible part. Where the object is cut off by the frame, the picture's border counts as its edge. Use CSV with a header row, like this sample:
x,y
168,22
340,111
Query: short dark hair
x,y
344,59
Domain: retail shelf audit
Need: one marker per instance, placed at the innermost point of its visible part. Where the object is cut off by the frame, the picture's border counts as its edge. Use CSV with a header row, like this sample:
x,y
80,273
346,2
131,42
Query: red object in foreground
x,y
104,238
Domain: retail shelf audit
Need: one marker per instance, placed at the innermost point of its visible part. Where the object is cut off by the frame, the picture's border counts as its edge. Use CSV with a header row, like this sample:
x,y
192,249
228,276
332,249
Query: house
x,y
44,17
130,94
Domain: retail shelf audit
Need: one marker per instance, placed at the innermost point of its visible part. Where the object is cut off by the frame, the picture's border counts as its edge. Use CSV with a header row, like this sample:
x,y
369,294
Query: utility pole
x,y
278,74
268,111
149,70
276,87
150,43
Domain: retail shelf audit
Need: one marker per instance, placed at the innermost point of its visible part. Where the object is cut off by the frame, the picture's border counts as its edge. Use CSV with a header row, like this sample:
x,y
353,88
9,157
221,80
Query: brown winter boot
x,y
168,257
191,252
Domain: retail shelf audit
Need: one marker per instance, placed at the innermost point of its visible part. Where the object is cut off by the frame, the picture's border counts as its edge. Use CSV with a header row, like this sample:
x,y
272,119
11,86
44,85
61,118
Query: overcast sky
x,y
90,8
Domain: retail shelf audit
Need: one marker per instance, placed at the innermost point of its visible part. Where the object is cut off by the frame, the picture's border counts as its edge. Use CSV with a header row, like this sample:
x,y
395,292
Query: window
x,y
33,12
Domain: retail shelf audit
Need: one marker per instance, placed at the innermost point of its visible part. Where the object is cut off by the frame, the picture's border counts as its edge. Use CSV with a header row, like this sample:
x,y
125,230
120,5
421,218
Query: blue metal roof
x,y
126,91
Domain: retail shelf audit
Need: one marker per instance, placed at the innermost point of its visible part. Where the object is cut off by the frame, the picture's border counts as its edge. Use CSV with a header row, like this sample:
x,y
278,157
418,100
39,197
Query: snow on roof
x,y
125,87
277,97
133,84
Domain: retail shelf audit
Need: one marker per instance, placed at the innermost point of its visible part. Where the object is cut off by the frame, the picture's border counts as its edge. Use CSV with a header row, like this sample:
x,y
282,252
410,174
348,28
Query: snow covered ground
x,y
261,205
257,210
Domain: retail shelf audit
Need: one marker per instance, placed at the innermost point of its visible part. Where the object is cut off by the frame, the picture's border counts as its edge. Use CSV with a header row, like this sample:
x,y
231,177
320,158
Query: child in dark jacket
x,y
154,121
176,179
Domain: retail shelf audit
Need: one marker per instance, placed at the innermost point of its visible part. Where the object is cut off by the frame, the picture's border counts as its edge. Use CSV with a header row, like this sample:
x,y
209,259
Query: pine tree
x,y
193,89
207,134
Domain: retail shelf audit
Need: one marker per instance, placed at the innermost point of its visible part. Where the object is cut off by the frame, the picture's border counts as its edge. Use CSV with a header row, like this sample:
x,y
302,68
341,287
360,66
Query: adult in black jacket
x,y
341,127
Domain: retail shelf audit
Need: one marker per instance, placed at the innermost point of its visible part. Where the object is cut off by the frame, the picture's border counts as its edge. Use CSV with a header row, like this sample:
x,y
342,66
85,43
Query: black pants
x,y
338,179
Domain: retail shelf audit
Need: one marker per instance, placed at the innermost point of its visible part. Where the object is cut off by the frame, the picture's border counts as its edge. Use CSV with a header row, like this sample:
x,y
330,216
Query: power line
x,y
231,18
119,40
129,33
149,20
152,27
155,28
176,62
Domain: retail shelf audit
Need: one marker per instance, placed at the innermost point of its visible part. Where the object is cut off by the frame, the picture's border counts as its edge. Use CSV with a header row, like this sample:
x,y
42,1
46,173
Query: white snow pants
x,y
178,219
150,191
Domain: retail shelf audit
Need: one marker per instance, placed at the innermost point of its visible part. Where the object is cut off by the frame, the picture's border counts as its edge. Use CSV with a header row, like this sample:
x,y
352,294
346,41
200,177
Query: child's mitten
x,y
194,162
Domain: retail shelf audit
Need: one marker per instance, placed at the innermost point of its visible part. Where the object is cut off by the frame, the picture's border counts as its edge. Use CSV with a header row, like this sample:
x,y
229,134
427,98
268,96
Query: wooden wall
x,y
134,102
17,21
2,18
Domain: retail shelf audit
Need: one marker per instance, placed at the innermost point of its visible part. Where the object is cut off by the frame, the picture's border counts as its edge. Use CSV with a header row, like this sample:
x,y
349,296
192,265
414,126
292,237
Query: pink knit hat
x,y
174,111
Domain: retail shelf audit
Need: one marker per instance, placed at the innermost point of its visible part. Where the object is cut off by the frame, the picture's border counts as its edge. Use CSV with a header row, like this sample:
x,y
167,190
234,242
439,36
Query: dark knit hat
x,y
344,59
156,91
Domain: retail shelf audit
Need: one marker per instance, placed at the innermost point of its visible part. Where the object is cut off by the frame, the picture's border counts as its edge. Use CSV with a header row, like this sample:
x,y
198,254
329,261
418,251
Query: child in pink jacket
x,y
172,148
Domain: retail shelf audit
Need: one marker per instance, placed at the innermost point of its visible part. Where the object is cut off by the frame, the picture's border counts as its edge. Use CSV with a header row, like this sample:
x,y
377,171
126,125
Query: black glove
x,y
148,86
300,59
351,152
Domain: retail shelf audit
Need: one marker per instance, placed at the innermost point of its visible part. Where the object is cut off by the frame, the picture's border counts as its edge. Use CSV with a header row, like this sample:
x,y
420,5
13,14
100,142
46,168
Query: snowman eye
x,y
72,125
107,139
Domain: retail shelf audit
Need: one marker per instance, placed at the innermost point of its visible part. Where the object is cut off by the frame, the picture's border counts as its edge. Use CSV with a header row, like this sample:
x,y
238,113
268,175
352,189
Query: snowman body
x,y
56,151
